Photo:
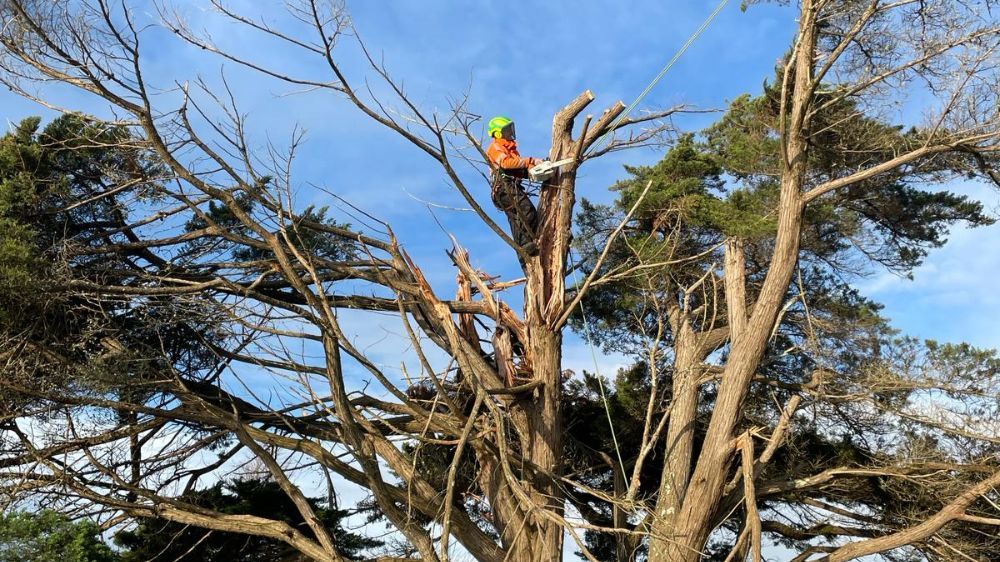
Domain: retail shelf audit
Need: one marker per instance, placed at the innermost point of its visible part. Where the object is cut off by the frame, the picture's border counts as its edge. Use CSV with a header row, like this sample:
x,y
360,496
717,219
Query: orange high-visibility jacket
x,y
503,155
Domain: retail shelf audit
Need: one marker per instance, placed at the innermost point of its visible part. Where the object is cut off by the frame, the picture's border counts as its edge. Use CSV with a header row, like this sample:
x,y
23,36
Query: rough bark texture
x,y
687,532
680,432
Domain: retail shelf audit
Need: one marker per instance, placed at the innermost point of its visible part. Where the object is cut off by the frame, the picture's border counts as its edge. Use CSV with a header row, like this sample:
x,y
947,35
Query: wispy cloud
x,y
953,296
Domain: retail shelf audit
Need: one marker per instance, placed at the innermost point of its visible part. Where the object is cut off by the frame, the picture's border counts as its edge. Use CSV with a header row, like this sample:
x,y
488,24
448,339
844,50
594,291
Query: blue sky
x,y
526,60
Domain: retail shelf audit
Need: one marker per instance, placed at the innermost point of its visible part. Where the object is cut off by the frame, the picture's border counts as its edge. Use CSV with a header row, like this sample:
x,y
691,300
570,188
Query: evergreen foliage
x,y
156,539
47,536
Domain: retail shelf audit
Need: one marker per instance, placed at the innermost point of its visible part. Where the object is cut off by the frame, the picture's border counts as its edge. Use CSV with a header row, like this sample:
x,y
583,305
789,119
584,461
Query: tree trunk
x,y
693,522
680,435
529,513
541,539
538,535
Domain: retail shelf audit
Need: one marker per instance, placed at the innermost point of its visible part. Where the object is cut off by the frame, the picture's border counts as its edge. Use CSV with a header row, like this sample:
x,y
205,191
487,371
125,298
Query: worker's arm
x,y
513,162
505,161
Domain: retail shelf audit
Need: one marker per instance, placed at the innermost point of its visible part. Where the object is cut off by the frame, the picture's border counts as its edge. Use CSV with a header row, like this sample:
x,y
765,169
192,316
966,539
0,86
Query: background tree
x,y
46,535
873,381
703,239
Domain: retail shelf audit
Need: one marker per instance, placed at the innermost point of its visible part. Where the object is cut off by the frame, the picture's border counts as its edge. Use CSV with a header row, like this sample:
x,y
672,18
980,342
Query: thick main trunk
x,y
527,502
542,538
712,468
531,525
694,520
526,512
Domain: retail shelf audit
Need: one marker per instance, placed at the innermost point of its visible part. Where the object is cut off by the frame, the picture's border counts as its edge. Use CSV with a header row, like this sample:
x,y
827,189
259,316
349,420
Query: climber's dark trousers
x,y
510,197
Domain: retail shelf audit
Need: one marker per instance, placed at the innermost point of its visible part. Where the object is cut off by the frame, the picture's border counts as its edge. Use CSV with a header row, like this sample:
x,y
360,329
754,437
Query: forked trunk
x,y
691,526
680,437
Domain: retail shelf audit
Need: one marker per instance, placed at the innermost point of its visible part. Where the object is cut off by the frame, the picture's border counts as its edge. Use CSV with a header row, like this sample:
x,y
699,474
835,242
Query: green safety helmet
x,y
498,124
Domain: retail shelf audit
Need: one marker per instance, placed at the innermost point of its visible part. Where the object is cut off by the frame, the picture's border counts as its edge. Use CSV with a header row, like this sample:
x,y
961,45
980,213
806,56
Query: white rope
x,y
576,273
597,371
663,71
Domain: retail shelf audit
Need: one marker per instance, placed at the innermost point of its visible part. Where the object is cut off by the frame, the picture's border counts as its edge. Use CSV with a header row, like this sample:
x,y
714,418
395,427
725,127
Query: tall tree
x,y
223,234
857,390
793,189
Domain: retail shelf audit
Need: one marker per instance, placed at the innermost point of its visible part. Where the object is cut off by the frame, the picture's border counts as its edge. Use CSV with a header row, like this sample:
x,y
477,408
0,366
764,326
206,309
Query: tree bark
x,y
693,526
680,433
542,541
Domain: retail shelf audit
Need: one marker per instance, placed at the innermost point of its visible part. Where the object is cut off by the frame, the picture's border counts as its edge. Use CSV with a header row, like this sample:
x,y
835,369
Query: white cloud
x,y
954,295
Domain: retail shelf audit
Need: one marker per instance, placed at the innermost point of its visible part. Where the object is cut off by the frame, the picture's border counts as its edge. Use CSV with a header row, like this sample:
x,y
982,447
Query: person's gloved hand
x,y
532,162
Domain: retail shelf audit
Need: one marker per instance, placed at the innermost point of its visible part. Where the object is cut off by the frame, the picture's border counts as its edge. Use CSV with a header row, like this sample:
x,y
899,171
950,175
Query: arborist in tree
x,y
509,169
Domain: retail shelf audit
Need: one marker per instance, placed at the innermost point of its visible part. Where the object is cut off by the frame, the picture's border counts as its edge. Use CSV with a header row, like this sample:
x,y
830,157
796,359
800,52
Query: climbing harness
x,y
528,185
510,196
